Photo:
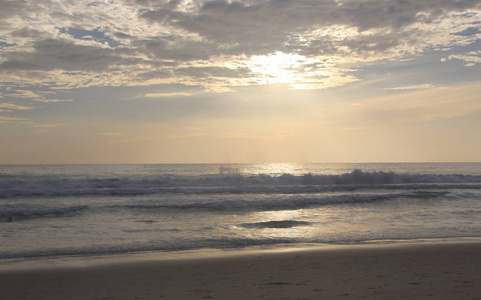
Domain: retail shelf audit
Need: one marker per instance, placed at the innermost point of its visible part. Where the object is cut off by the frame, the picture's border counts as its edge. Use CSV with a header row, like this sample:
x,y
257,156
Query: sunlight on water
x,y
82,210
284,224
276,169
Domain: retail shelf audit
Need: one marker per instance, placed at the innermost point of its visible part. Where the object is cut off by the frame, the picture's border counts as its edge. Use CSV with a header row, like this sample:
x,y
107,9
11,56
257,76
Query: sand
x,y
415,271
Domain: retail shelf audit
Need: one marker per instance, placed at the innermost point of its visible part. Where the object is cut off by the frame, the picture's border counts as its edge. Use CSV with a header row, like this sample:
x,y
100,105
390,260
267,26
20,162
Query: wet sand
x,y
413,271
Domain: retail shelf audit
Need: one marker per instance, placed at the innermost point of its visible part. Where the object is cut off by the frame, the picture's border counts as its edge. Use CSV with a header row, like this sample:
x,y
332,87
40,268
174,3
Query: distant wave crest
x,y
229,182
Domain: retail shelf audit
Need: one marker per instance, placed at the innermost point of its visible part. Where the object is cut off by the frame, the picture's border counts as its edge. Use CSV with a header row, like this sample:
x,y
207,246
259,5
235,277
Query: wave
x,y
277,202
28,211
201,243
275,224
179,245
232,183
13,212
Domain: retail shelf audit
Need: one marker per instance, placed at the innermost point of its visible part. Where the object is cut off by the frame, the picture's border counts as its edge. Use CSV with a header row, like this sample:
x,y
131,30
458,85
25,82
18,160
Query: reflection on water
x,y
273,169
287,224
80,210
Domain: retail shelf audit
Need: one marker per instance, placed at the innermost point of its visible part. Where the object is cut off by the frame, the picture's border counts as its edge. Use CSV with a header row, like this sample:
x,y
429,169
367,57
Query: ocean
x,y
94,210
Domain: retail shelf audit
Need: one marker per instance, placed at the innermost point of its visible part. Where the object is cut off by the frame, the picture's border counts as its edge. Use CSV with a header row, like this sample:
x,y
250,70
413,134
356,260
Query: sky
x,y
199,81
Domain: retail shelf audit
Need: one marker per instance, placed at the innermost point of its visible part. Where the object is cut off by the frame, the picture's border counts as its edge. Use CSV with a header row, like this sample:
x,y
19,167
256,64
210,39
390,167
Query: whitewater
x,y
82,210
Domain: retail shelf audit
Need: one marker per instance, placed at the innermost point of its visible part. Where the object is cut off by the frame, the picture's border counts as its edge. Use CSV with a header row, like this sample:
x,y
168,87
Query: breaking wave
x,y
179,245
229,182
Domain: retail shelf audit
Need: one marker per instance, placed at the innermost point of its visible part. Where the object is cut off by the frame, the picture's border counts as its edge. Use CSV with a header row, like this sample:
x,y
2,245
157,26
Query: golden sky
x,y
144,81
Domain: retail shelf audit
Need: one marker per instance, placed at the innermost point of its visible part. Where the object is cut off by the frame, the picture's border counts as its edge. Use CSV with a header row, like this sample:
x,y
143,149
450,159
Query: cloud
x,y
24,94
216,45
472,58
262,27
47,126
40,131
4,119
53,100
412,87
50,125
416,105
110,133
168,95
11,106
54,54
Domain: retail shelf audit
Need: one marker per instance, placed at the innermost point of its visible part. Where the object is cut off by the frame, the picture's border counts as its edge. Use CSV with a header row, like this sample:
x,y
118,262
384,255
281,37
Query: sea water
x,y
65,210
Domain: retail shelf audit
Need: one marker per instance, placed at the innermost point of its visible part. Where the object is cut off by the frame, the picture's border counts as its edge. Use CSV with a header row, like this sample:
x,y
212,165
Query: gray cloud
x,y
138,41
27,32
62,55
204,72
11,7
381,28
267,25
4,119
168,48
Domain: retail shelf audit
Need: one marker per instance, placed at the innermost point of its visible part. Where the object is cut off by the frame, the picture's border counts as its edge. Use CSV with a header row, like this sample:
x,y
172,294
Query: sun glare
x,y
278,67
276,169
298,71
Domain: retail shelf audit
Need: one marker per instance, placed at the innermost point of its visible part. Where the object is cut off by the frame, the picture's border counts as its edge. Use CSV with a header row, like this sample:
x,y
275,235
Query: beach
x,y
392,271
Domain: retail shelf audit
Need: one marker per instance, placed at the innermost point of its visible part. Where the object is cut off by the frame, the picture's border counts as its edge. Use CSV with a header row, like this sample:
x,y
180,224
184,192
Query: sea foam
x,y
229,183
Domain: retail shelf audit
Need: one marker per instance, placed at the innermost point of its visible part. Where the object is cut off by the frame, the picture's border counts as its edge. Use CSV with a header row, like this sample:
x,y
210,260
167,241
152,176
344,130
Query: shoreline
x,y
437,269
94,260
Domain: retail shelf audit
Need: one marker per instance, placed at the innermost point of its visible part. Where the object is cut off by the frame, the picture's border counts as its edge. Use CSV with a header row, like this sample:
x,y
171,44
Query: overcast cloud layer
x,y
198,47
215,44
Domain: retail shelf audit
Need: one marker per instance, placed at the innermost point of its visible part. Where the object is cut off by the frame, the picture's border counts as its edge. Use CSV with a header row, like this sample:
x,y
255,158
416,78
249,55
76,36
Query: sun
x,y
278,67
297,71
